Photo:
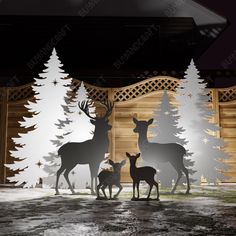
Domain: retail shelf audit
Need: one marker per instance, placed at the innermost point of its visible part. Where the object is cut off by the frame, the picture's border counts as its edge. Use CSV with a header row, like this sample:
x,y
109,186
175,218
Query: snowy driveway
x,y
38,212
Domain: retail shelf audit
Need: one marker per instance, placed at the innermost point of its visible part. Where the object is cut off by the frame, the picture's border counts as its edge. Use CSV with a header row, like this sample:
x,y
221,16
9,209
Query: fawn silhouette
x,y
157,152
89,152
141,173
110,178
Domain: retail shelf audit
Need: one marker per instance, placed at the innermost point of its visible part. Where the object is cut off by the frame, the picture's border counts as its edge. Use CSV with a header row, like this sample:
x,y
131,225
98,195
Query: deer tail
x,y
60,151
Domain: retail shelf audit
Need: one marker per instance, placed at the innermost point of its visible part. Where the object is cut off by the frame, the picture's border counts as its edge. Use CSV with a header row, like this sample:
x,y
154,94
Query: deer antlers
x,y
84,106
109,106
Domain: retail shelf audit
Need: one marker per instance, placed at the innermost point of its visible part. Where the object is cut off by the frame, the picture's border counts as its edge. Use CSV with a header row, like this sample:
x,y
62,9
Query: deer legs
x,y
66,173
150,190
185,170
135,184
103,187
103,190
110,190
93,175
58,176
138,188
120,188
68,181
92,186
150,183
134,190
177,182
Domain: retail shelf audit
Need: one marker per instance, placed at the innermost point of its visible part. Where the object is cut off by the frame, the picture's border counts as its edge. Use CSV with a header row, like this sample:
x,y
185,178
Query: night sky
x,y
224,46
221,51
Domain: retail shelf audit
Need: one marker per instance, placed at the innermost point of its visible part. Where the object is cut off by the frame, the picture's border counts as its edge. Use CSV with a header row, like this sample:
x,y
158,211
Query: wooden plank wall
x,y
128,103
227,114
16,112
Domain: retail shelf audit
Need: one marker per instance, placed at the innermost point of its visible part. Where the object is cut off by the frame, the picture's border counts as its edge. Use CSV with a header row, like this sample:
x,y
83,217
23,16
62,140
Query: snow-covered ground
x,y
40,212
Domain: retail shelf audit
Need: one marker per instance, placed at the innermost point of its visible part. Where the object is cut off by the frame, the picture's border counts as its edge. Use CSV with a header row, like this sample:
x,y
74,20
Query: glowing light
x,y
205,140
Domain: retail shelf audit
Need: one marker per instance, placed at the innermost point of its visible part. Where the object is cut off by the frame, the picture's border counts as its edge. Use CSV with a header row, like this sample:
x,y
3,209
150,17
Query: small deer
x,y
156,152
142,173
110,178
89,152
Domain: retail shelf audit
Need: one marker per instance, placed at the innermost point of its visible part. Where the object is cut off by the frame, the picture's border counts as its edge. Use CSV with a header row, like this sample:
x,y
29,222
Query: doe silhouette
x,y
156,152
110,178
141,173
89,152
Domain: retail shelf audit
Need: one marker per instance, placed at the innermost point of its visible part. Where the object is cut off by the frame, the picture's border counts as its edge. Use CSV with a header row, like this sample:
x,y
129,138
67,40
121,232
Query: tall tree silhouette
x,y
196,118
50,91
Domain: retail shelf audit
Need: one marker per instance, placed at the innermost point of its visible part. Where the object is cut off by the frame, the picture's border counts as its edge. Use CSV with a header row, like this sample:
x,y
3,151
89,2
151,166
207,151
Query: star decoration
x,y
167,113
205,140
72,172
55,82
80,113
190,95
39,164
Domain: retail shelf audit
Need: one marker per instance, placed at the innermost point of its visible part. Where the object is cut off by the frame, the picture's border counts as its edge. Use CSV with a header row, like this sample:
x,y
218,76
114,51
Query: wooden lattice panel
x,y
75,84
95,93
20,93
226,95
145,87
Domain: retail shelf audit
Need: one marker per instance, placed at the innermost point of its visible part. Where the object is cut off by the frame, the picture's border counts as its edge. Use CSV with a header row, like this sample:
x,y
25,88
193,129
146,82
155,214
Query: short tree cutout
x,y
166,130
76,128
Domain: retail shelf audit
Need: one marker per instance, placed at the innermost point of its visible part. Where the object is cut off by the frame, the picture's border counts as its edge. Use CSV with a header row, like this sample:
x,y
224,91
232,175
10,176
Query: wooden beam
x,y
112,146
3,133
216,107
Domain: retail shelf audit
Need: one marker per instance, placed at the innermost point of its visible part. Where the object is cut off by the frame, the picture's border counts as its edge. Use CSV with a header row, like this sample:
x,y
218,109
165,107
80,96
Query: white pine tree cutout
x,y
76,128
79,127
50,91
166,130
195,114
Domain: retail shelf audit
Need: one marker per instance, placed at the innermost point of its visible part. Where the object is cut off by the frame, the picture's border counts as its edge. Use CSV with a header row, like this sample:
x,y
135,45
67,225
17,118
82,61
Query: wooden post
x,y
216,107
3,133
112,149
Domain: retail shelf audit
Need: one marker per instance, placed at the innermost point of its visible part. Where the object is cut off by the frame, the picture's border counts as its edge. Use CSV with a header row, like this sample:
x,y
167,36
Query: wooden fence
x,y
138,100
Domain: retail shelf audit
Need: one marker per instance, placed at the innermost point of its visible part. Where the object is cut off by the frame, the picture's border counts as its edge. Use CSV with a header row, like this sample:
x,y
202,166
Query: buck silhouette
x,y
141,173
156,152
110,178
90,152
